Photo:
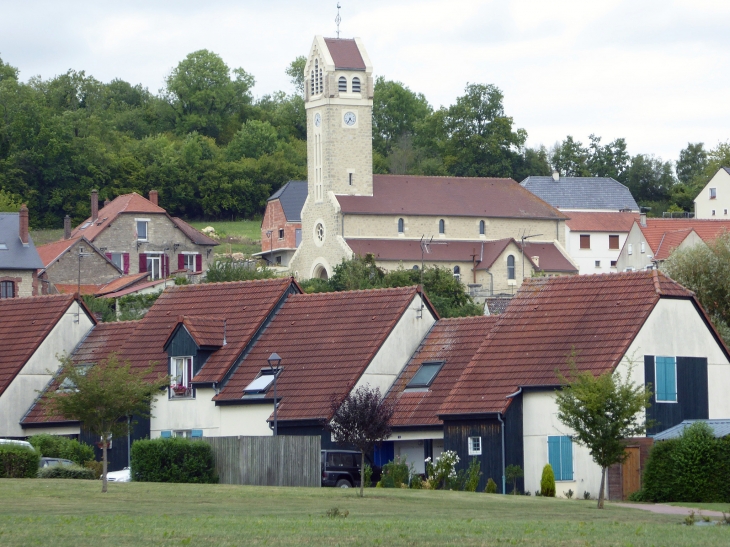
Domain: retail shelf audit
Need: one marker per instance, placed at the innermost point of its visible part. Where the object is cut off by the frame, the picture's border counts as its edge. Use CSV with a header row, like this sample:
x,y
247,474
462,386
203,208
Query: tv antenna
x,y
522,247
338,19
426,249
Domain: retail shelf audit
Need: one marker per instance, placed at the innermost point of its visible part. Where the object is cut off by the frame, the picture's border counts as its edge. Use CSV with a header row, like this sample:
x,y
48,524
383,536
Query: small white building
x,y
713,202
594,239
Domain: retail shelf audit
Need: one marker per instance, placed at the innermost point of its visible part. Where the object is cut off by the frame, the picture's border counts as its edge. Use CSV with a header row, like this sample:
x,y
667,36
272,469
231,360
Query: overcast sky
x,y
649,71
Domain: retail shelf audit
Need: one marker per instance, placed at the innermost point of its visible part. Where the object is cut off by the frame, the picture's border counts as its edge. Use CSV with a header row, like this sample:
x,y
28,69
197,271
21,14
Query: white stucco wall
x,y
39,369
635,259
721,204
246,420
397,349
586,259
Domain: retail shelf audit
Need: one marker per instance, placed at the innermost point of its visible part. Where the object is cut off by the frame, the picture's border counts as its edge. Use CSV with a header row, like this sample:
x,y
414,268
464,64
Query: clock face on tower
x,y
350,118
317,119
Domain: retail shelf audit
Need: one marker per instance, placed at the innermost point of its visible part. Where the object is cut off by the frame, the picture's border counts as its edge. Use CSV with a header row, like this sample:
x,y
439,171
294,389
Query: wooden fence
x,y
285,460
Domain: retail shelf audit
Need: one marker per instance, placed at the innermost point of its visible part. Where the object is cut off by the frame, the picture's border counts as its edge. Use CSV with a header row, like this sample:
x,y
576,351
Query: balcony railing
x,y
179,391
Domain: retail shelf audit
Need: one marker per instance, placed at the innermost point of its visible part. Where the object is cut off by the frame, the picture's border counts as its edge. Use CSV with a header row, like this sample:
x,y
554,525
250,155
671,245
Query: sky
x,y
652,72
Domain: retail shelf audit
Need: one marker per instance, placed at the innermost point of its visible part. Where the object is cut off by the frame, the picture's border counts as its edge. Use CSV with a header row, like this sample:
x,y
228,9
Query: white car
x,y
125,475
26,444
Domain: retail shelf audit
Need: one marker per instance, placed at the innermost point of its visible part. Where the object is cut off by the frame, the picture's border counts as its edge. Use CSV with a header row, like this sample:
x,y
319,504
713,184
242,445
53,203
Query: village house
x,y
594,239
19,260
33,332
582,194
713,202
281,227
651,240
349,211
139,236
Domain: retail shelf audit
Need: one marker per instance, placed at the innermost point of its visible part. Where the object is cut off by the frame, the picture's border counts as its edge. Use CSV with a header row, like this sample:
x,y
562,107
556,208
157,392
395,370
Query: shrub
x,y
473,476
416,482
547,482
66,472
395,473
569,493
491,486
442,469
54,446
96,467
18,462
512,473
173,460
367,479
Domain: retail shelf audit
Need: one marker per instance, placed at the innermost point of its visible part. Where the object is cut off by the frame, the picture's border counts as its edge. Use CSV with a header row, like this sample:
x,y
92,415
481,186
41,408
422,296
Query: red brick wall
x,y
275,220
615,472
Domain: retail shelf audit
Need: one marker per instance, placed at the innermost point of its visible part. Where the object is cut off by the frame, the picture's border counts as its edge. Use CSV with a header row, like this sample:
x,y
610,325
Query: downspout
x,y
504,480
491,283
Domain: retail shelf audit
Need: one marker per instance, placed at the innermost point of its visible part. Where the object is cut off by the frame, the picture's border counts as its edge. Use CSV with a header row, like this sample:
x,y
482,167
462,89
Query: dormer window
x,y
356,85
342,84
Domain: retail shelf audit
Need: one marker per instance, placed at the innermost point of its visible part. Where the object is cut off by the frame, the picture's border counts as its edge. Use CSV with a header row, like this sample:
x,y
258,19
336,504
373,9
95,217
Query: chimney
x,y
67,227
94,205
153,196
106,202
556,175
642,220
536,260
23,227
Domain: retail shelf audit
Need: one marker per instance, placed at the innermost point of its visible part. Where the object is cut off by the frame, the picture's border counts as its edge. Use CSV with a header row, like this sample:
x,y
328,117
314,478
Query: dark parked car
x,y
341,468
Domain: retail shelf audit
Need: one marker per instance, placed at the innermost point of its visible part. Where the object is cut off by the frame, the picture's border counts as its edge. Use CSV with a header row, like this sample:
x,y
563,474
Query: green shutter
x,y
554,455
566,459
166,434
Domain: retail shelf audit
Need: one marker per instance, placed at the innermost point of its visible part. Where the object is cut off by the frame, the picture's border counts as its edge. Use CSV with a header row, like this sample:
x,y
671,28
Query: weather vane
x,y
338,19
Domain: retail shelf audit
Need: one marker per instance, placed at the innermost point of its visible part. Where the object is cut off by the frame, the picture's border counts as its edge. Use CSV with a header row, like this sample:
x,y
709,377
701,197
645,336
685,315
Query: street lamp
x,y
274,362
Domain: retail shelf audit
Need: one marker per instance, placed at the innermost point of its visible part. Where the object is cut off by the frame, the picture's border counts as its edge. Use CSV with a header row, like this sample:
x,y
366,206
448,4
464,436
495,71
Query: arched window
x,y
457,272
415,267
400,225
442,226
311,82
356,85
482,228
321,81
316,76
342,84
510,267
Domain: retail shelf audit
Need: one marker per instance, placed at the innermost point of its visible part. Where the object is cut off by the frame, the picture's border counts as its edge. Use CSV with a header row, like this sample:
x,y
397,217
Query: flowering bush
x,y
442,469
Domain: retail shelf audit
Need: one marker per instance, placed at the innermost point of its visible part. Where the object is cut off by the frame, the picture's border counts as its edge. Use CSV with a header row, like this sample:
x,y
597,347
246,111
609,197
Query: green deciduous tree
x,y
692,163
295,71
103,397
362,419
396,112
602,411
253,140
570,158
650,178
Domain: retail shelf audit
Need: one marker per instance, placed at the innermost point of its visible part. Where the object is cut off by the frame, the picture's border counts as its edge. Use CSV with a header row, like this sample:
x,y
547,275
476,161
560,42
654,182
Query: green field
x,y
41,237
66,512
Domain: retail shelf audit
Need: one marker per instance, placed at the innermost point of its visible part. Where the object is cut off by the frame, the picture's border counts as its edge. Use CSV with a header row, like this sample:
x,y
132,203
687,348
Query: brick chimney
x,y
23,225
67,227
642,220
153,196
556,175
94,205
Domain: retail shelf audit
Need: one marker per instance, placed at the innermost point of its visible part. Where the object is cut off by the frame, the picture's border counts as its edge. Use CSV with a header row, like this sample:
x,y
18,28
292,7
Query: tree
x,y
103,397
8,202
570,158
253,140
602,410
362,419
512,473
295,71
610,160
692,163
396,112
649,178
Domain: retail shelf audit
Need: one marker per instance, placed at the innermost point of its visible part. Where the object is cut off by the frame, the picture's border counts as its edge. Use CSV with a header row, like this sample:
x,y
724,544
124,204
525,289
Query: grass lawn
x,y
241,236
67,512
41,237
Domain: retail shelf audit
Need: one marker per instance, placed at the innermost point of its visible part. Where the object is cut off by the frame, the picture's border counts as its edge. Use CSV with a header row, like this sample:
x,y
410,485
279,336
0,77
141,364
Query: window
x,y
154,266
598,263
142,230
281,233
643,247
475,446
724,211
342,84
665,379
613,242
191,261
713,193
181,372
356,85
482,228
630,248
442,226
278,260
510,267
585,241
400,225
415,267
349,178
560,457
457,273
7,289
613,263
713,212
426,374
117,259
261,383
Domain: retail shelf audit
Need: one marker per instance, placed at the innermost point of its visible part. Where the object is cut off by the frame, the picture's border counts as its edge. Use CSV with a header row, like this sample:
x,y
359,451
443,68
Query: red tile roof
x,y
449,196
71,288
454,341
127,203
194,235
136,287
600,222
103,339
326,342
51,251
204,330
24,325
121,283
656,228
345,53
669,242
550,257
598,316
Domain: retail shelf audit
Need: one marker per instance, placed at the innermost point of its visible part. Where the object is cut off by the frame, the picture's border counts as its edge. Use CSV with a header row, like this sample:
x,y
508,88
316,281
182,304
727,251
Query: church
x,y
490,232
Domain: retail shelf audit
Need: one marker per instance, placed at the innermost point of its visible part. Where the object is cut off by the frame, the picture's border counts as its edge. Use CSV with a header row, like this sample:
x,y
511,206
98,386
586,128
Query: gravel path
x,y
668,509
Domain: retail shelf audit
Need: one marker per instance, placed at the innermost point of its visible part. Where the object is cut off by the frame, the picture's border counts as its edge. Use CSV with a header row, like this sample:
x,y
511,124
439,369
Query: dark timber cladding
x,y
692,398
456,438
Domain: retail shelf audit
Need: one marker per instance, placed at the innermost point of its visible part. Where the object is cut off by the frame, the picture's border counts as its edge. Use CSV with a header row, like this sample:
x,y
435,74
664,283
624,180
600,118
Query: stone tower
x,y
339,105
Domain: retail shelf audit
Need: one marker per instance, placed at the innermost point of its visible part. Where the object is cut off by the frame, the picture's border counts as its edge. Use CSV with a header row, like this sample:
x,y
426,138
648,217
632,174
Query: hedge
x,y
173,460
692,468
66,472
18,462
54,446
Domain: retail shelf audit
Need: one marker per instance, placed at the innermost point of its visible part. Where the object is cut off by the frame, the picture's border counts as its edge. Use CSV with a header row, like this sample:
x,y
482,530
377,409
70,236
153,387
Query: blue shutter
x,y
166,434
666,379
554,456
566,459
197,433
671,383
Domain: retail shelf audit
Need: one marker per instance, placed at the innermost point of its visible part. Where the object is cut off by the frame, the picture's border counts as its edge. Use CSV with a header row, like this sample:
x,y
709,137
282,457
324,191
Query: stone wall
x,y
26,281
95,268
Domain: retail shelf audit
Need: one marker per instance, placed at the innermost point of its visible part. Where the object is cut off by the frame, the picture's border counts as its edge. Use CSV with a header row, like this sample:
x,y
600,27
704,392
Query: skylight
x,y
3,247
426,374
85,225
261,383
